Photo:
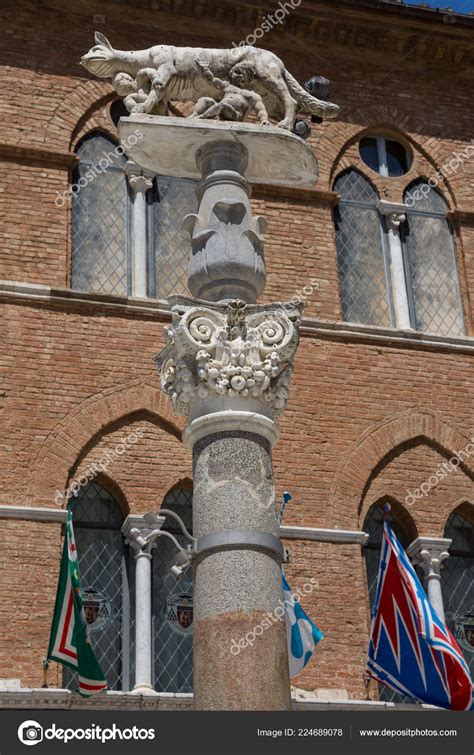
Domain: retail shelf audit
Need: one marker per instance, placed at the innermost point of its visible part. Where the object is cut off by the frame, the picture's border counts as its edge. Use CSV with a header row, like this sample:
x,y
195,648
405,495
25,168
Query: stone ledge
x,y
43,514
33,513
167,138
324,535
35,156
37,292
62,699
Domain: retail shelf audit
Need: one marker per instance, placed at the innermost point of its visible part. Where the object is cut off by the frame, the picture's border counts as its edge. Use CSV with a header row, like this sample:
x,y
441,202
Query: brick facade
x,y
371,414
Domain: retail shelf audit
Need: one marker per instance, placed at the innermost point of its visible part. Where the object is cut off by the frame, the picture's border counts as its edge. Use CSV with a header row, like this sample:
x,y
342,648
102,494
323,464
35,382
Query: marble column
x,y
395,215
141,539
429,553
140,182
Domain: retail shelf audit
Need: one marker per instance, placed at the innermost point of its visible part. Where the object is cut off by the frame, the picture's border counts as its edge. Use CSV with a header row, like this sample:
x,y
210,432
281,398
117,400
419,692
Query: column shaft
x,y
139,245
435,595
399,287
143,638
429,553
140,182
237,590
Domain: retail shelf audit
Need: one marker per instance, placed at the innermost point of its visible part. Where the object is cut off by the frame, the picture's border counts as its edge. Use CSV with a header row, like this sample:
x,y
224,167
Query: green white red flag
x,y
69,643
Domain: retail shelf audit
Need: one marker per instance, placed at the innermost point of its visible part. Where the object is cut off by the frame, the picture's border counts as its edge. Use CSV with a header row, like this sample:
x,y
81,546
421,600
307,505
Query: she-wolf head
x,y
101,60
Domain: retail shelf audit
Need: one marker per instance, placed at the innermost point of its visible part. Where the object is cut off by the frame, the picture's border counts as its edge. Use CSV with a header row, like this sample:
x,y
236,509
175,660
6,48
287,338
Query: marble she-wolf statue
x,y
172,73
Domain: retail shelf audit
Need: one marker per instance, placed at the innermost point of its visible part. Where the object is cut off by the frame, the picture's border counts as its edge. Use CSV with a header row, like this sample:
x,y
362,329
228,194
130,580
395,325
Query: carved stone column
x,y
140,182
429,553
227,243
138,536
227,368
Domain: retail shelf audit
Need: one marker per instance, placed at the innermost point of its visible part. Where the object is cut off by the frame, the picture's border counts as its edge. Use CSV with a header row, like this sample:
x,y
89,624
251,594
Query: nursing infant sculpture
x,y
149,79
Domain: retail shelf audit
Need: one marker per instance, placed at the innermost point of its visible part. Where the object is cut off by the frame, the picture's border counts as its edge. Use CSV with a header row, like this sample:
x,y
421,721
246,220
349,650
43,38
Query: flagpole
x,y
284,500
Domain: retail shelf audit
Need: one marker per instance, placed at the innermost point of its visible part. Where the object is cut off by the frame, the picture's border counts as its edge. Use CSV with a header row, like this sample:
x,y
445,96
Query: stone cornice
x,y
315,196
389,336
62,699
33,514
321,535
424,13
36,156
438,37
67,299
462,217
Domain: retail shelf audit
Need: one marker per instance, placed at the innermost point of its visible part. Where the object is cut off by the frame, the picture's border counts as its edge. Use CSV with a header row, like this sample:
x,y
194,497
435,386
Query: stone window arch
x,y
457,579
104,571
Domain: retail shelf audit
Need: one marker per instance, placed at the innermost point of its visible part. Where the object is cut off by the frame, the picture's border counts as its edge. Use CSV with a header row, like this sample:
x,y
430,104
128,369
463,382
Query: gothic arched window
x,y
385,156
373,526
106,255
457,580
361,253
430,263
172,603
397,263
100,218
103,567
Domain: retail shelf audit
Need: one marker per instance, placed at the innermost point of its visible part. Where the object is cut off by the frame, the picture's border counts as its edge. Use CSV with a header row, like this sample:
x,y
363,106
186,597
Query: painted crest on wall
x,y
97,609
179,613
464,631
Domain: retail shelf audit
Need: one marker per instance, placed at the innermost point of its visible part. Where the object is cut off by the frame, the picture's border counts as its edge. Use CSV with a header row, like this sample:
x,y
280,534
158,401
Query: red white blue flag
x,y
410,649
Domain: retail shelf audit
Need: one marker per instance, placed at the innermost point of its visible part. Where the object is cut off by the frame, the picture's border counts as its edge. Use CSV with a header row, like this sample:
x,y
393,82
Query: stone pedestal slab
x,y
168,146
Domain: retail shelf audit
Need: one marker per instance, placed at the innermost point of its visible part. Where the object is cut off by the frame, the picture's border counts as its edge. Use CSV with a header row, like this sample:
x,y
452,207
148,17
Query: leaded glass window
x,y
100,218
385,156
173,199
373,526
103,567
430,263
375,260
361,254
171,611
102,211
457,580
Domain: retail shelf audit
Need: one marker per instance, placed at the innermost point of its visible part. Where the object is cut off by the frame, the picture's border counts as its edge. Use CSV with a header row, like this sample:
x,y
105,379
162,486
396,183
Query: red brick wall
x,y
365,421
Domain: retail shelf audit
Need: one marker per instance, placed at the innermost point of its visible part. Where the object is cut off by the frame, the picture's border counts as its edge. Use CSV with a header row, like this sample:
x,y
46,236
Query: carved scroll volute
x,y
230,351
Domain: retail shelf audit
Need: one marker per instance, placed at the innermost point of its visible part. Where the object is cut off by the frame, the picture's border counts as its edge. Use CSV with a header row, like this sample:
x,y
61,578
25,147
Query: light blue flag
x,y
302,634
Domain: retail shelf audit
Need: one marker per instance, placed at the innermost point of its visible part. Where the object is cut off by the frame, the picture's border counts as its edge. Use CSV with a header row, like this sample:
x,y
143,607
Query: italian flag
x,y
69,643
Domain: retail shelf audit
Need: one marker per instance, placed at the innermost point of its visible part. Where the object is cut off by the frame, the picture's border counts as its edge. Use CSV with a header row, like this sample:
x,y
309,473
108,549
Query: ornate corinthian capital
x,y
230,351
